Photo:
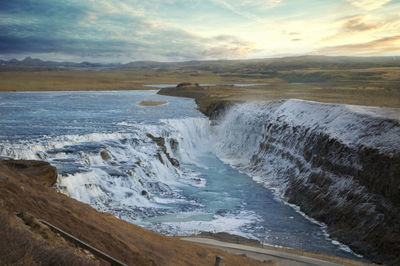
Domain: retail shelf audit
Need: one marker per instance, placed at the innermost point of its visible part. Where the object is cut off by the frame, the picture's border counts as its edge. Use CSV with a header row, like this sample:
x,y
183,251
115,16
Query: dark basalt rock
x,y
105,155
186,84
218,109
173,144
28,218
161,143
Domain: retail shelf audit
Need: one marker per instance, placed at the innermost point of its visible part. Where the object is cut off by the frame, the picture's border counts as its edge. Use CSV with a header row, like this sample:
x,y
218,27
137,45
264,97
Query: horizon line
x,y
197,60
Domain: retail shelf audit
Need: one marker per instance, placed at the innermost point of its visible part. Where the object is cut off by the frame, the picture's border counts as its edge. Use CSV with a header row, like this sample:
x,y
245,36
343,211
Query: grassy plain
x,y
361,81
76,80
347,93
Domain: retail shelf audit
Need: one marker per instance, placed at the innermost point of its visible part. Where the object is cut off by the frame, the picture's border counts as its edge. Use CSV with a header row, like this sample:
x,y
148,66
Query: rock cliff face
x,y
353,191
340,164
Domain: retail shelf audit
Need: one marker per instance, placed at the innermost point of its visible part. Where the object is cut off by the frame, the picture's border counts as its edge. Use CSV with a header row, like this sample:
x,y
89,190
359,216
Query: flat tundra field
x,y
373,83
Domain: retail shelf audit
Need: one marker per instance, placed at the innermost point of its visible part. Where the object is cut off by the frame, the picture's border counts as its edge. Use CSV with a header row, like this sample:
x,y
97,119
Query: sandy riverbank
x,y
152,103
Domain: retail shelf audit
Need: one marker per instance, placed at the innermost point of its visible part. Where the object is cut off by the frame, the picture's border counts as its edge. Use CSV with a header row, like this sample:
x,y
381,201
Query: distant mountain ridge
x,y
267,64
35,62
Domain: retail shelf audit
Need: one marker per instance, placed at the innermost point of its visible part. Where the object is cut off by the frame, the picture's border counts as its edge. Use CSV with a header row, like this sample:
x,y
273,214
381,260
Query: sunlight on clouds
x,y
271,38
228,47
368,4
380,46
361,29
352,29
153,24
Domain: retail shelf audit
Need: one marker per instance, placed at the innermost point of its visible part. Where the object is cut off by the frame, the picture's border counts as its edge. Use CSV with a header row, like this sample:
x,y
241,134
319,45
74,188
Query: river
x,y
103,145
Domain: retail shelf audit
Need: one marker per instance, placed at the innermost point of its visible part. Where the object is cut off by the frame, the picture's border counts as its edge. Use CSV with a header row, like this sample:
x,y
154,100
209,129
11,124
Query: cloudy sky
x,y
178,30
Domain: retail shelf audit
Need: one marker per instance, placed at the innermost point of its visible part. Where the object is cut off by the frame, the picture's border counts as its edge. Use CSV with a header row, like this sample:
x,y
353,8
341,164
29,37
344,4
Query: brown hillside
x,y
23,192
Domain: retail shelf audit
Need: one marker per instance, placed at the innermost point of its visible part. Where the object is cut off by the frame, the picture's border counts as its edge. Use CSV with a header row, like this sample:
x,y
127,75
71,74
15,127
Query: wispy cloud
x,y
248,8
379,46
361,29
358,24
368,4
263,4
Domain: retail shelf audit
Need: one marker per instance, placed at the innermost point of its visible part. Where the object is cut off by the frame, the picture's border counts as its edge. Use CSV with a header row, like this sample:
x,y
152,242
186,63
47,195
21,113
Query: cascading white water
x,y
243,133
135,174
193,136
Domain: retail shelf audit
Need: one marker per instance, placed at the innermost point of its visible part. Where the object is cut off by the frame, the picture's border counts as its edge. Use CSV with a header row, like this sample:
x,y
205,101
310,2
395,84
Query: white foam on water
x,y
185,225
129,177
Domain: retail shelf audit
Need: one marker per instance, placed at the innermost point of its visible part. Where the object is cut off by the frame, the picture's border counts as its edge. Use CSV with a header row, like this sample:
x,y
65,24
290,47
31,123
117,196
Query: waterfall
x,y
127,174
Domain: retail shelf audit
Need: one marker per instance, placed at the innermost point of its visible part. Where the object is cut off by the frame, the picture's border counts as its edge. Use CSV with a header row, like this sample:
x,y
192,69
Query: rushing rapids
x,y
162,167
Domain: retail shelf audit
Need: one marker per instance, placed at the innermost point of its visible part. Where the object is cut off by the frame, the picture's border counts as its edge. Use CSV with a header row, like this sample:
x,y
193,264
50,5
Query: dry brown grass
x,y
368,94
18,246
88,80
378,86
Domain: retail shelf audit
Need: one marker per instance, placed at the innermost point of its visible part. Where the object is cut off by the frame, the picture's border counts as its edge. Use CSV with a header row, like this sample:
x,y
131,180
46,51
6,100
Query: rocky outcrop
x,y
187,84
42,171
216,110
105,155
206,101
161,143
